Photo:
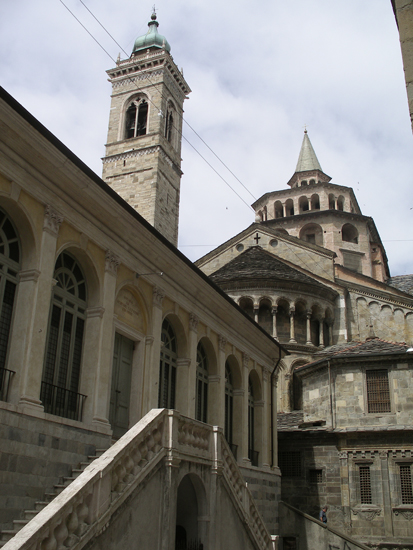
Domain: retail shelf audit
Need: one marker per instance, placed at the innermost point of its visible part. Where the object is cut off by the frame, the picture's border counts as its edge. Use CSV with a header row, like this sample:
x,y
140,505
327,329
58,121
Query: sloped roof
x,y
258,264
307,159
402,282
369,348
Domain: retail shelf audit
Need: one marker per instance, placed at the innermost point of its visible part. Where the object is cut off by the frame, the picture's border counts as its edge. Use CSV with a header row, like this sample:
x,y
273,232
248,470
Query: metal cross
x,y
257,238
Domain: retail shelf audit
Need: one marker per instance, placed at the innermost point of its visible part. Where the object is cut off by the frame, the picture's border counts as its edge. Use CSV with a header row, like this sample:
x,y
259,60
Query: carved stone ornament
x,y
366,511
245,359
193,322
343,454
52,220
404,510
158,296
222,342
111,262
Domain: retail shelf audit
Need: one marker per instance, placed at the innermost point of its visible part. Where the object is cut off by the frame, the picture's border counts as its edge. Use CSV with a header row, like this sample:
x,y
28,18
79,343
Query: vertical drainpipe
x,y
272,412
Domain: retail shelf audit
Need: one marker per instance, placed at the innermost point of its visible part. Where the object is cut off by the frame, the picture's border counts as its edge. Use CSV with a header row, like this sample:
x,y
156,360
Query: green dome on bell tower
x,y
152,39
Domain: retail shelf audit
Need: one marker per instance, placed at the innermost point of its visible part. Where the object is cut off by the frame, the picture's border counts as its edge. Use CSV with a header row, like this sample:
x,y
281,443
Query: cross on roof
x,y
257,238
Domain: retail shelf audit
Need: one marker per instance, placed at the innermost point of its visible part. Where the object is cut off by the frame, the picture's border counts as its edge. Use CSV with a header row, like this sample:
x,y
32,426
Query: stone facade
x,y
98,329
403,10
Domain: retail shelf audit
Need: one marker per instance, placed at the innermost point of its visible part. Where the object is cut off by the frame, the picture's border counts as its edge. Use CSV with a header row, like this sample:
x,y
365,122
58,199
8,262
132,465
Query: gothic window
x,y
167,370
378,391
229,405
365,485
201,384
251,451
406,483
136,118
9,267
61,372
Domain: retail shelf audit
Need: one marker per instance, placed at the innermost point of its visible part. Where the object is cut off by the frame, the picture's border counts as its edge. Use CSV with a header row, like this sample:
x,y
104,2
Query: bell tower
x,y
143,151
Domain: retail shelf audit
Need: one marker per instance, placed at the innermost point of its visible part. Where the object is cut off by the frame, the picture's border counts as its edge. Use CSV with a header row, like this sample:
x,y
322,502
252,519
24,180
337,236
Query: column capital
x,y
52,220
245,359
193,322
222,342
112,262
158,296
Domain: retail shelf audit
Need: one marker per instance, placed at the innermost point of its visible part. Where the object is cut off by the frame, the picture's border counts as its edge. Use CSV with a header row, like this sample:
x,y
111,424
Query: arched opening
x,y
283,321
201,404
167,369
315,325
61,372
170,124
278,209
327,328
300,323
331,202
265,315
10,265
136,118
191,530
281,231
312,182
247,305
340,203
312,233
304,183
297,391
315,202
349,233
303,204
289,207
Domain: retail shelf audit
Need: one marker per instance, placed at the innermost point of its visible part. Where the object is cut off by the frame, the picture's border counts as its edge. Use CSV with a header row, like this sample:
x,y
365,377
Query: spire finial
x,y
153,16
305,128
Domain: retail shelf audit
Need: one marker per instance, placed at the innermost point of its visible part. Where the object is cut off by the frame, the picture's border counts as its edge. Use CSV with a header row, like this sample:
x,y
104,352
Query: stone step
x,y
19,524
7,534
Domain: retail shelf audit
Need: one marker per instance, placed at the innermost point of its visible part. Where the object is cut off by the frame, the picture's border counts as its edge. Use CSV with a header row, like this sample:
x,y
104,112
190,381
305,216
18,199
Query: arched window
x,y
170,124
136,118
340,203
229,407
278,210
61,372
312,233
331,202
252,454
315,202
289,207
201,407
265,316
247,305
9,267
167,370
349,233
303,204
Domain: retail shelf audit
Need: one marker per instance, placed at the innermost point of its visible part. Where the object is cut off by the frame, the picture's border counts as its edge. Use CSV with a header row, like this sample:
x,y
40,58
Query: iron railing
x,y
234,449
62,402
5,377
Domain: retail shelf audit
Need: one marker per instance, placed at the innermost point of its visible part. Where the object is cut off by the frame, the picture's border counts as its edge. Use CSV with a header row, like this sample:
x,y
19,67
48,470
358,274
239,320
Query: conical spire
x,y
307,159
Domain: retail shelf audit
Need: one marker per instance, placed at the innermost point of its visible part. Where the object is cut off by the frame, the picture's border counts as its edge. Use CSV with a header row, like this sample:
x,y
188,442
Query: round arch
x,y
312,233
25,229
191,509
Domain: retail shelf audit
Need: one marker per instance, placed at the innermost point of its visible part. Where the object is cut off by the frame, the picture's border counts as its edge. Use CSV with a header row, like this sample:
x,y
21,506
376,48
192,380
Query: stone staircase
x,y
27,515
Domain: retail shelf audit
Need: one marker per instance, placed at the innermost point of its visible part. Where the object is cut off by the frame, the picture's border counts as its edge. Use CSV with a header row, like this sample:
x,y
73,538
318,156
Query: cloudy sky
x,y
259,72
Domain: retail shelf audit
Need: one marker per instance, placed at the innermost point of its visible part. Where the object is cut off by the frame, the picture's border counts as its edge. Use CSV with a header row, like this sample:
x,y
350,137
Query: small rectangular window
x,y
316,476
365,484
290,463
378,391
406,483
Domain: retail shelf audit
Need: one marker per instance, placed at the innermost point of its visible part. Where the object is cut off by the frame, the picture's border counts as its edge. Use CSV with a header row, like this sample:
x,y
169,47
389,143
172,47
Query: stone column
x,y
265,456
216,389
274,322
308,327
103,372
256,312
146,380
388,512
284,211
152,367
32,310
186,373
321,321
330,334
273,389
345,490
245,377
292,332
